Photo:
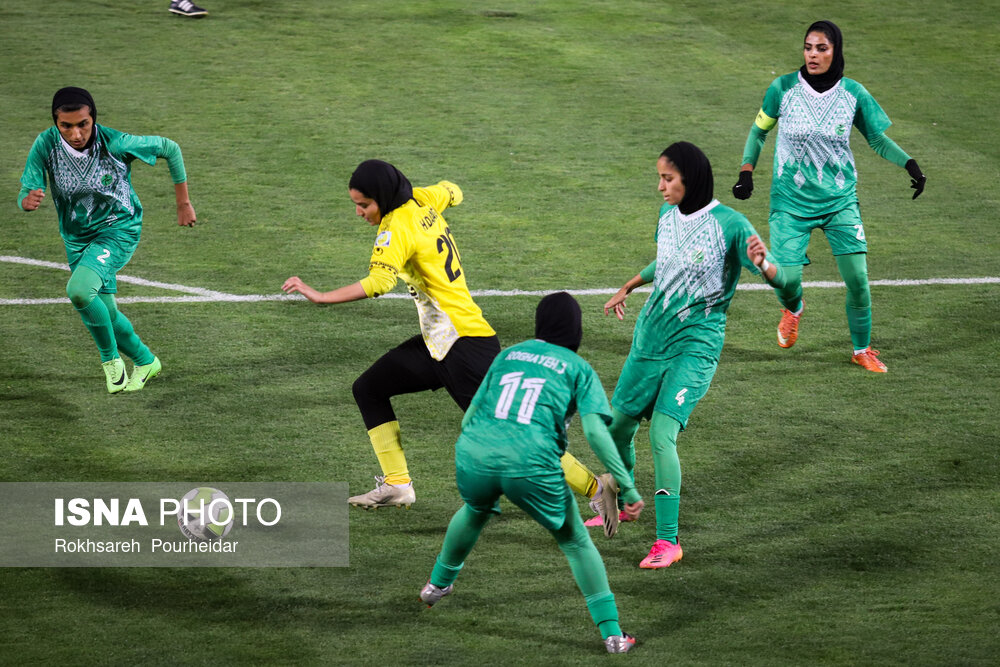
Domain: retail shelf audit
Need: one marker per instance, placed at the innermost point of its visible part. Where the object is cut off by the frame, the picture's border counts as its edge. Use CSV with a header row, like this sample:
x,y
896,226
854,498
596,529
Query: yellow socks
x,y
578,476
389,450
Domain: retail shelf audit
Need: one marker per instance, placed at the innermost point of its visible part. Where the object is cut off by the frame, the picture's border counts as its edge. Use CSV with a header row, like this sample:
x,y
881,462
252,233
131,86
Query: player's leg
x,y
854,270
464,367
481,494
663,431
82,289
846,234
405,369
547,500
789,243
686,381
147,365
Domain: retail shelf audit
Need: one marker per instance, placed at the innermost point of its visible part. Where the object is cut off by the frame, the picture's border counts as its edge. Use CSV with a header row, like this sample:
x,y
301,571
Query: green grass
x,y
829,516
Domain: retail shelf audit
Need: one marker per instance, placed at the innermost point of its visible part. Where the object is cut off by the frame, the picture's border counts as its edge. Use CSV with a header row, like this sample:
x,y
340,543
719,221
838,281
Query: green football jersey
x,y
698,264
522,407
92,189
814,170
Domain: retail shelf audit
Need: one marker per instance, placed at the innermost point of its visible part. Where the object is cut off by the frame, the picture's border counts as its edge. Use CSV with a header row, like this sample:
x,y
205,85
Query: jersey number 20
x,y
452,262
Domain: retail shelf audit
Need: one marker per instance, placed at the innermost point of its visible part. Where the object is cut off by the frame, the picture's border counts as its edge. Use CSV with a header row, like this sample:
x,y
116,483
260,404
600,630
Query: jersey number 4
x,y
511,383
452,262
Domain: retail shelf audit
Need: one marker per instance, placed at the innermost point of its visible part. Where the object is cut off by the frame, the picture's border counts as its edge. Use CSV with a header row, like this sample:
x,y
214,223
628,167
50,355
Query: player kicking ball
x,y
88,167
456,345
513,435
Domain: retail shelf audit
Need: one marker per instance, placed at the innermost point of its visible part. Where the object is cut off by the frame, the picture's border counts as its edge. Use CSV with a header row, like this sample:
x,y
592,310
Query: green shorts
x,y
546,498
790,234
668,386
106,254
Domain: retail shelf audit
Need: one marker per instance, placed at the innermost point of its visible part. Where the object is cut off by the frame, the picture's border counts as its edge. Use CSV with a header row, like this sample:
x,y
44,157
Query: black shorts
x,y
409,368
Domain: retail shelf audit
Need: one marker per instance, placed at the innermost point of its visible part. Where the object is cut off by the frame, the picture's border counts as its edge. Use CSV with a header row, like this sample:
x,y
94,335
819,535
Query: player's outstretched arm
x,y
185,211
344,294
617,302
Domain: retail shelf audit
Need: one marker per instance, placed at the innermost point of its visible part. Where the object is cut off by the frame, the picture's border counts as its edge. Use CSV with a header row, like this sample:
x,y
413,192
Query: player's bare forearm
x,y
185,211
354,292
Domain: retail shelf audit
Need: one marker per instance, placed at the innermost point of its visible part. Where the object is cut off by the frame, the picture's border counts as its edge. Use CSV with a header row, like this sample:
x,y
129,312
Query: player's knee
x,y
364,389
79,296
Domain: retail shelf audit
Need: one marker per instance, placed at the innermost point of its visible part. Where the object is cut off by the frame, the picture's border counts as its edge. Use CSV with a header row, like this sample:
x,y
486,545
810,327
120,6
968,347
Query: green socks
x,y
663,431
128,342
854,270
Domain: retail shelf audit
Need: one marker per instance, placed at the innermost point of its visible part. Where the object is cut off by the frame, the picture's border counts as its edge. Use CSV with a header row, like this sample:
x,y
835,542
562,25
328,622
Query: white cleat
x,y
385,495
622,643
431,593
605,503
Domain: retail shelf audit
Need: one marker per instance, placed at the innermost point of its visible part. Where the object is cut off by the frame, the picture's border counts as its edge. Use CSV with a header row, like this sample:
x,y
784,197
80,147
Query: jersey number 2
x,y
511,383
452,262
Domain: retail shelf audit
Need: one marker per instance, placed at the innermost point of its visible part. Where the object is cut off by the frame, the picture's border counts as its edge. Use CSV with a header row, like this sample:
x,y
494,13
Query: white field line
x,y
201,295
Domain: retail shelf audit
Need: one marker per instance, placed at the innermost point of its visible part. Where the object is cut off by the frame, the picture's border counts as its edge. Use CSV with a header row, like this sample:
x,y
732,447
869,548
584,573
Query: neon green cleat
x,y
114,371
143,374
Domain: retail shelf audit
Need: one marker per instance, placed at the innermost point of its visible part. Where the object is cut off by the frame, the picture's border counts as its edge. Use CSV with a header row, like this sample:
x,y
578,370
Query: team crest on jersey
x,y
383,238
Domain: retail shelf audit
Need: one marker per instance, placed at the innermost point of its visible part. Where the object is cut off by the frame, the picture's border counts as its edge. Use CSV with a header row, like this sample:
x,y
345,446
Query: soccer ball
x,y
206,514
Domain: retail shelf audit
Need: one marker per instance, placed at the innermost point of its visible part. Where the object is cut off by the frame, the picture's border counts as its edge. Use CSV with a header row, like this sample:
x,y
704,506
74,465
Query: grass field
x,y
829,516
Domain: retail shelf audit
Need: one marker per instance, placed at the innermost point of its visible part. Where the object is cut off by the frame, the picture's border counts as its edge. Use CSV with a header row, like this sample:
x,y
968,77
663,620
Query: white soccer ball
x,y
206,514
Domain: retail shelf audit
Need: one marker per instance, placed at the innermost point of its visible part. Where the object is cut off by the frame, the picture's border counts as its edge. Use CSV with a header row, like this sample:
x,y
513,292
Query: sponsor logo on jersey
x,y
383,238
382,265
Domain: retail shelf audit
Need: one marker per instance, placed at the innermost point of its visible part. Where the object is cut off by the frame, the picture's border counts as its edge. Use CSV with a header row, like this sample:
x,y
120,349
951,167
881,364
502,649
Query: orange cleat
x,y
868,359
788,327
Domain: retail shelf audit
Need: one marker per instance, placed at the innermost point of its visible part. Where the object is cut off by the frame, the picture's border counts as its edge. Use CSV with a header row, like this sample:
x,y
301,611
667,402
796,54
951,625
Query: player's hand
x,y
756,250
293,284
33,200
633,510
617,304
185,214
744,186
917,178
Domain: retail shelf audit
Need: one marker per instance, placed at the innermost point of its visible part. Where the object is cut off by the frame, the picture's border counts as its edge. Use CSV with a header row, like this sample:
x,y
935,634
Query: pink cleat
x,y
662,554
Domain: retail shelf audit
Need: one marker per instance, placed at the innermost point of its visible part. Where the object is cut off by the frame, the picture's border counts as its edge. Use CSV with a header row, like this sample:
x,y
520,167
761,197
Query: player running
x,y
814,181
512,437
89,168
455,346
700,248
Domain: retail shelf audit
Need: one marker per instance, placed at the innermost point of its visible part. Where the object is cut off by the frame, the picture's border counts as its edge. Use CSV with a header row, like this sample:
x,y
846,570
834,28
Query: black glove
x,y
917,178
744,186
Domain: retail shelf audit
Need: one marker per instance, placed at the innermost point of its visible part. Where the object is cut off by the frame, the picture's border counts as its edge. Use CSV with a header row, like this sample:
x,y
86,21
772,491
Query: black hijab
x,y
382,182
696,174
828,79
72,96
558,320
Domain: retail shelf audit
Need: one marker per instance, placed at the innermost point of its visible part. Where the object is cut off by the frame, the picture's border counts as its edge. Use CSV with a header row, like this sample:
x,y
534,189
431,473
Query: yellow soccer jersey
x,y
414,243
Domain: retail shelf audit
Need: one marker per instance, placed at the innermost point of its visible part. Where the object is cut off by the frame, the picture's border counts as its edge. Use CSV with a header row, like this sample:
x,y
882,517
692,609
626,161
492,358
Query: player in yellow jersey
x,y
456,345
